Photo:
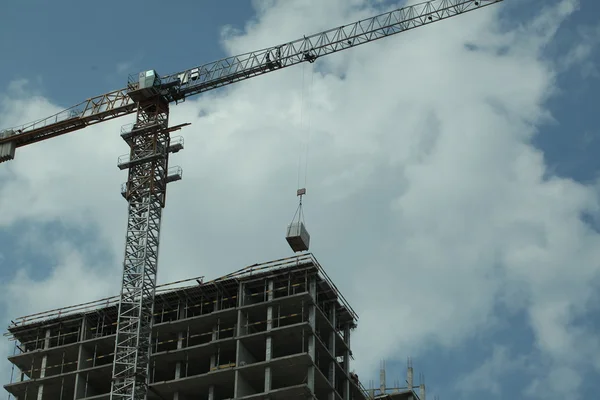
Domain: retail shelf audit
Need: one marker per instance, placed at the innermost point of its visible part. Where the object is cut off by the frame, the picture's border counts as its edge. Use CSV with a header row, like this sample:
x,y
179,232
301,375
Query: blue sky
x,y
411,191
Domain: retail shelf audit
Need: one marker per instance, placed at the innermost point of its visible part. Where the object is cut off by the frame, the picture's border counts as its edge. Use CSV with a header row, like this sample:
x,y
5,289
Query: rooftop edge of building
x,y
186,288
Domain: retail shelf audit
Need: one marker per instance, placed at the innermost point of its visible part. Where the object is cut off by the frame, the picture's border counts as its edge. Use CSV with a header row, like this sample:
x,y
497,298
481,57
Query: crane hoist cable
x,y
308,130
305,131
297,235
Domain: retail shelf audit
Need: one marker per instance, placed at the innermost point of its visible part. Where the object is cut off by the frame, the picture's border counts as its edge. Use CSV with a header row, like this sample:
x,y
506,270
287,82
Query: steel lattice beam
x,y
244,66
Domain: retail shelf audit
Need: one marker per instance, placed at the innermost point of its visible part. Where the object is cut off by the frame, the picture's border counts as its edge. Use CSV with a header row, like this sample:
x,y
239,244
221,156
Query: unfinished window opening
x,y
250,383
339,383
104,358
29,341
256,322
252,350
199,306
225,327
65,389
94,354
323,337
255,292
288,343
197,337
65,334
101,324
298,285
227,301
289,314
62,362
164,370
165,312
226,332
33,370
209,304
165,341
224,357
326,307
93,384
223,392
322,392
322,360
281,288
197,366
58,389
281,377
298,282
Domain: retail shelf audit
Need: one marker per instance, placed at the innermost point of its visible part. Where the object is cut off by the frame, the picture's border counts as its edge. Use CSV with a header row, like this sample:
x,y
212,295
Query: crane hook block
x,y
297,236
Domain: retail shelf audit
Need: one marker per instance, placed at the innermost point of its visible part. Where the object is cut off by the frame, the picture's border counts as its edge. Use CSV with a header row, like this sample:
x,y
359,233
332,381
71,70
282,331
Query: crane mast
x,y
150,143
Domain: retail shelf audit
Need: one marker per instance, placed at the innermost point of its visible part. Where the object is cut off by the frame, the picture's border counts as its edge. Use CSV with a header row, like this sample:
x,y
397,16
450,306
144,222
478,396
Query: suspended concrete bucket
x,y
297,235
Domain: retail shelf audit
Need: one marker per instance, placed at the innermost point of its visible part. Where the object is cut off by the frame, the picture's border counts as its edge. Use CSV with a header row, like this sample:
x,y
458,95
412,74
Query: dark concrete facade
x,y
279,330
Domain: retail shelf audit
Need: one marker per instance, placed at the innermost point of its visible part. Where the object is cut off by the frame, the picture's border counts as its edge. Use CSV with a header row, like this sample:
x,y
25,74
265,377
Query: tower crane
x,y
149,96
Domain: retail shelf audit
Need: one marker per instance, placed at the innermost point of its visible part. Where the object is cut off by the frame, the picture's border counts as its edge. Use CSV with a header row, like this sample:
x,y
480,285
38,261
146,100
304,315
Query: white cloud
x,y
426,201
581,53
124,67
487,377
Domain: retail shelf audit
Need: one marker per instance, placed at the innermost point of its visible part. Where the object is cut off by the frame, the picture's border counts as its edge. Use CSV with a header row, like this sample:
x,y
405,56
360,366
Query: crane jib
x,y
229,70
232,69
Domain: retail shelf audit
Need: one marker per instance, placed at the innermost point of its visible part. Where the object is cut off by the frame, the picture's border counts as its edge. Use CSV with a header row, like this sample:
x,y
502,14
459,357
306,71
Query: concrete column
x,y
180,337
213,360
312,320
382,384
240,331
40,393
347,362
218,300
332,336
241,320
269,340
80,378
179,365
84,328
215,332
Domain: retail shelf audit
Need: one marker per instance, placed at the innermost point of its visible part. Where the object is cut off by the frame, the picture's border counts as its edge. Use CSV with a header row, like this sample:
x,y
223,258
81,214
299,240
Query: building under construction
x,y
279,330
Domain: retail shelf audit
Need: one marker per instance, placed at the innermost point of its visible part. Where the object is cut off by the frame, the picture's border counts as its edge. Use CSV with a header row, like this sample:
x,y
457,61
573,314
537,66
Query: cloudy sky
x,y
452,178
